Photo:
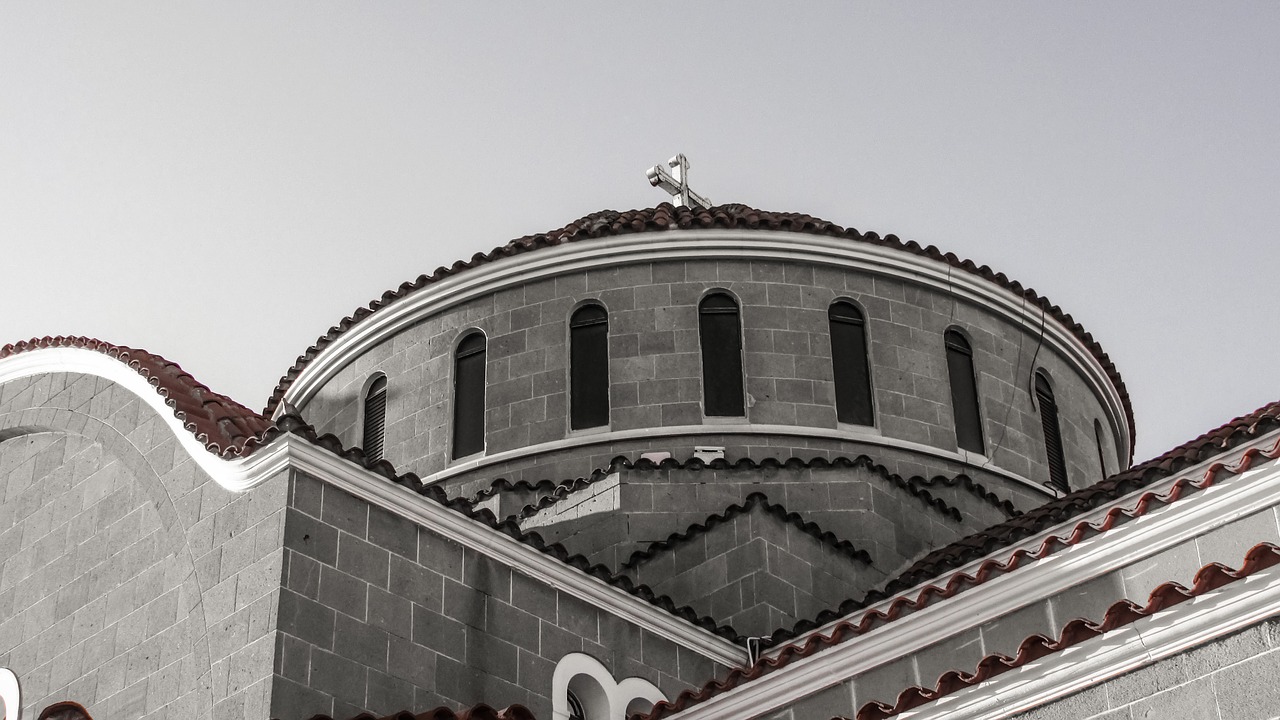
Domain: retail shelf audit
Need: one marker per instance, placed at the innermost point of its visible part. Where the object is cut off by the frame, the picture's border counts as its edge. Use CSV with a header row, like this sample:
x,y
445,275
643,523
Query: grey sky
x,y
219,183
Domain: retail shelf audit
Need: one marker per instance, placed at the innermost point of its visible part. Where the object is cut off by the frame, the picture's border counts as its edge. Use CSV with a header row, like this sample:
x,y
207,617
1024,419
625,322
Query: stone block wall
x,y
129,580
755,572
856,504
655,365
379,614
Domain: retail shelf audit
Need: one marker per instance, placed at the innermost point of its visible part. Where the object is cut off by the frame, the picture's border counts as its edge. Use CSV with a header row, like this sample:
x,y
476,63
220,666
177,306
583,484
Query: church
x,y
688,462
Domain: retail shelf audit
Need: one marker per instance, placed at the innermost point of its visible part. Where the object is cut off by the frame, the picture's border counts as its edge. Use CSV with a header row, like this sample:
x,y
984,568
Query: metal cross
x,y
678,184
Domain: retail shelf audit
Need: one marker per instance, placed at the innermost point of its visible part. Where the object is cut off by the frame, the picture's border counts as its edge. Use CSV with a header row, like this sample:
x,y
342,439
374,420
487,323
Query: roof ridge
x,y
227,428
612,223
1121,613
508,526
957,583
753,501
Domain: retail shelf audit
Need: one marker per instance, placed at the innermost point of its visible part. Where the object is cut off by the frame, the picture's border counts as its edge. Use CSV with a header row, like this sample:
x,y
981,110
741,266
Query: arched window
x,y
964,392
1052,432
588,367
375,418
576,711
1102,454
849,362
468,396
721,336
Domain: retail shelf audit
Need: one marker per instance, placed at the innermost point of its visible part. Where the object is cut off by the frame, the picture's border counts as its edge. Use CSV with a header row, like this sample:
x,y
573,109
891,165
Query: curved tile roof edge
x,y
562,489
227,428
1121,613
849,629
753,501
611,223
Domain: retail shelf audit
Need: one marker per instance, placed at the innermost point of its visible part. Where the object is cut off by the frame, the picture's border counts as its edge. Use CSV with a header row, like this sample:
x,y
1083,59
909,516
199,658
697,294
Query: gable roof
x,y
611,223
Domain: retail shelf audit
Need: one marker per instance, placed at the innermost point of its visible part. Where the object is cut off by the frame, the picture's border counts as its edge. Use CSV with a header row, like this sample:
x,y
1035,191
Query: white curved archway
x,y
10,694
602,697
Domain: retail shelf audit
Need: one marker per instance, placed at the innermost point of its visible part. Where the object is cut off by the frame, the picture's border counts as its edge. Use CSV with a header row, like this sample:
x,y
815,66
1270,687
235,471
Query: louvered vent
x,y
1052,433
375,419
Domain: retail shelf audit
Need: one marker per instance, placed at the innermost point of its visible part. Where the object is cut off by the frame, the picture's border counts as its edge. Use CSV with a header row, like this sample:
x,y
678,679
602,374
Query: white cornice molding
x,y
702,245
1161,528
657,435
1204,618
433,516
236,474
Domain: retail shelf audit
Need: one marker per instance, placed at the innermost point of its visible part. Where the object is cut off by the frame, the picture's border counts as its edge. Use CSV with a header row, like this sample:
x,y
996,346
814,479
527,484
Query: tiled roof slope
x,y
479,712
754,500
1243,429
226,427
1240,430
611,223
1208,578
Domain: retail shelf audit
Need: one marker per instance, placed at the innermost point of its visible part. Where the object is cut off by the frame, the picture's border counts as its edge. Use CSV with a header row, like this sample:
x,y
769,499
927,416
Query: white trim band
x,y
749,429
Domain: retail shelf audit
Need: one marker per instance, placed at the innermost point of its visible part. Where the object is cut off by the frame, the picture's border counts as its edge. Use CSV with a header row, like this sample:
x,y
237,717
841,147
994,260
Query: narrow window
x,y
964,392
375,418
589,367
1102,455
849,361
1052,433
721,356
468,396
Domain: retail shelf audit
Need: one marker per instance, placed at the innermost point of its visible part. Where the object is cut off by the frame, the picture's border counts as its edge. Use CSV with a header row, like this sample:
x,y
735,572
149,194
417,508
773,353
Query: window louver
x,y
964,392
375,417
849,364
589,367
1052,433
721,338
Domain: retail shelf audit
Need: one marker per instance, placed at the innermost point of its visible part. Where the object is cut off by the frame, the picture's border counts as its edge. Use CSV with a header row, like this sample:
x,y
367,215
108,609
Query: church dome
x,y
756,334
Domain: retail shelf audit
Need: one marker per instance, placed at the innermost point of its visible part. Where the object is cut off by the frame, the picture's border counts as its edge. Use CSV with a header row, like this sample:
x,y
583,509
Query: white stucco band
x,y
713,244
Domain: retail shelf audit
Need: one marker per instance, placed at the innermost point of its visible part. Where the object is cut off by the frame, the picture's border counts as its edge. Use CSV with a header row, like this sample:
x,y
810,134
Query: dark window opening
x,y
1102,455
589,368
1052,433
964,392
849,362
721,337
576,711
468,396
375,418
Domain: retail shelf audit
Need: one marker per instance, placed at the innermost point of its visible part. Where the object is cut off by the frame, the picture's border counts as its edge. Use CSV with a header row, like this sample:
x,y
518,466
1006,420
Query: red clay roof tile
x,y
226,427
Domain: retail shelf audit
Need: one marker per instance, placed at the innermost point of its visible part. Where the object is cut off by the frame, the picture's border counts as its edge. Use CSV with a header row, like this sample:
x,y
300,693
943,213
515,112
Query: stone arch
x,y
602,697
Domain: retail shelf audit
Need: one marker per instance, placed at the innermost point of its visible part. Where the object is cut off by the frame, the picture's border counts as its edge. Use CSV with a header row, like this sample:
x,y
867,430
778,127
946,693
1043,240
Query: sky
x,y
219,183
